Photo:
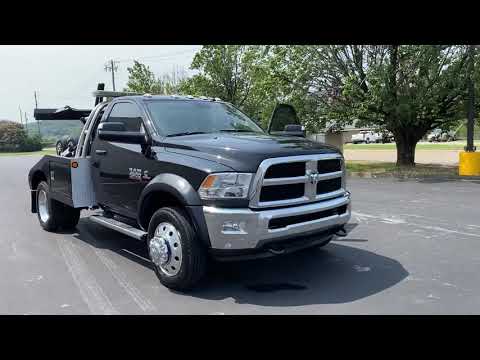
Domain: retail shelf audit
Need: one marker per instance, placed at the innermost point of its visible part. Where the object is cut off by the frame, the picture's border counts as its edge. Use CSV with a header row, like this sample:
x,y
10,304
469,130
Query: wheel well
x,y
37,178
155,201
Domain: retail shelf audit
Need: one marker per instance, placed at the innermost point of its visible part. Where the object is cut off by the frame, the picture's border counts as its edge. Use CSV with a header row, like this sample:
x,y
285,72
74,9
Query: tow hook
x,y
341,232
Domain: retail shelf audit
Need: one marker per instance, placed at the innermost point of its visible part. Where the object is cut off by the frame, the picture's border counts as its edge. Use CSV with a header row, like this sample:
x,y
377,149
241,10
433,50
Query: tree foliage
x,y
407,90
12,135
14,138
142,80
236,74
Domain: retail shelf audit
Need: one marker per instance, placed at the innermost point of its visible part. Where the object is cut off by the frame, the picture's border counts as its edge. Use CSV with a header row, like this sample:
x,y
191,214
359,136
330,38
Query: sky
x,y
68,74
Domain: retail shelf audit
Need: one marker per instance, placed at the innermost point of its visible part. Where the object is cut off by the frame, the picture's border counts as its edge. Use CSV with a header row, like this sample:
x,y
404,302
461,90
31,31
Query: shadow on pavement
x,y
332,275
104,238
335,274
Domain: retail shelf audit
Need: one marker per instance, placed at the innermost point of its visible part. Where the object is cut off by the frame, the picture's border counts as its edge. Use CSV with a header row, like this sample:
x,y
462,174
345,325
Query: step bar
x,y
119,226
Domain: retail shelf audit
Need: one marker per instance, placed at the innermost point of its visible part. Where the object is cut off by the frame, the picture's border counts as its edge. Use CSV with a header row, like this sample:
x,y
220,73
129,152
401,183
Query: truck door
x,y
120,169
284,121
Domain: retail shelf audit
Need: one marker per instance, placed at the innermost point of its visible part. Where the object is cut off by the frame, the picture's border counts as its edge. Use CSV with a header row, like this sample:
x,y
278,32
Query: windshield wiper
x,y
236,130
186,133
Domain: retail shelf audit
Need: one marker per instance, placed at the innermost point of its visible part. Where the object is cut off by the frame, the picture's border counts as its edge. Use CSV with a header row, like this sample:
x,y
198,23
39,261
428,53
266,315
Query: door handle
x,y
101,152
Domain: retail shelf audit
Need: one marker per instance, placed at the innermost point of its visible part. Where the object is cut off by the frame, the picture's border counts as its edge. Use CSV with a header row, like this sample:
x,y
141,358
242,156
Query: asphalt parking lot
x,y
413,248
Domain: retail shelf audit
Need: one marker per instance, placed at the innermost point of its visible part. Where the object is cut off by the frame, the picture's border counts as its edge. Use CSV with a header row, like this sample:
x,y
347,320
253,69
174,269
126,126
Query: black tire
x,y
194,256
71,216
59,215
59,147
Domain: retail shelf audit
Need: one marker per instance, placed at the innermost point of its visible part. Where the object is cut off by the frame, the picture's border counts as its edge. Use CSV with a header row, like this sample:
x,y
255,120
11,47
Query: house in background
x,y
337,137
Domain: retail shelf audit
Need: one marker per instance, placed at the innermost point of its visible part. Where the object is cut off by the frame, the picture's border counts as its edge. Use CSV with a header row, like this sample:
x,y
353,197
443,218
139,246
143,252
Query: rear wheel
x,y
178,257
53,214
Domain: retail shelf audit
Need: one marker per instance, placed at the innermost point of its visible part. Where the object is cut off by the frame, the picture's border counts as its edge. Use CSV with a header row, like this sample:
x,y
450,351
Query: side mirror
x,y
295,130
116,132
112,126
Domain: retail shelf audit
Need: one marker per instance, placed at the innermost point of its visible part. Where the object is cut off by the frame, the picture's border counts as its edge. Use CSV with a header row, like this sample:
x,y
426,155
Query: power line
x,y
166,57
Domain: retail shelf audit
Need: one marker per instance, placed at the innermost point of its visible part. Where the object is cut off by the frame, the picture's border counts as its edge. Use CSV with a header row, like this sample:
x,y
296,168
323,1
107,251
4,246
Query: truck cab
x,y
195,179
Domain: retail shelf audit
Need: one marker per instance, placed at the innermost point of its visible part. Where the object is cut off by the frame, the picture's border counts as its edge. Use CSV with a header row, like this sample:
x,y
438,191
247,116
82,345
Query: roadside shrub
x,y
32,143
13,138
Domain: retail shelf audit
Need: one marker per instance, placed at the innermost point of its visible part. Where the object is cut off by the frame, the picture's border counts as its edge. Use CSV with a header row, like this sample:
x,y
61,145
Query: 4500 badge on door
x,y
138,174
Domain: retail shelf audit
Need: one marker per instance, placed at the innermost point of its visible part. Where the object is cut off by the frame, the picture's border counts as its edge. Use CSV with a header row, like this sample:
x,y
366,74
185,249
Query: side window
x,y
128,114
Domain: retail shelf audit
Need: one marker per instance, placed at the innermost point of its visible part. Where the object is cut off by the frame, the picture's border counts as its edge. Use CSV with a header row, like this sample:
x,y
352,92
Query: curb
x,y
370,175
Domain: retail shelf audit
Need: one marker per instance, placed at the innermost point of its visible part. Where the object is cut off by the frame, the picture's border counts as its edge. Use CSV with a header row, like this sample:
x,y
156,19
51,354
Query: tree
x,y
407,90
12,135
233,73
142,80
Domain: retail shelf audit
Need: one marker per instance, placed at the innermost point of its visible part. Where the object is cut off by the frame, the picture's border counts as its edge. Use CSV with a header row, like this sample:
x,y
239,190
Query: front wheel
x,y
178,257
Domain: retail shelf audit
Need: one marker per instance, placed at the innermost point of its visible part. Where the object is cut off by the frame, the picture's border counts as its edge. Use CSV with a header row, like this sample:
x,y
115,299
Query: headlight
x,y
225,186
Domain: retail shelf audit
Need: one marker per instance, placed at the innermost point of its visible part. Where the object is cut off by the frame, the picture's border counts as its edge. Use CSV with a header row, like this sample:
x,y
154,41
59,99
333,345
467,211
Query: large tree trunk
x,y
406,144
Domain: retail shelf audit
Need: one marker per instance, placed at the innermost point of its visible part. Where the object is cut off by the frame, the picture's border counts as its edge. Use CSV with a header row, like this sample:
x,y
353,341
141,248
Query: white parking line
x,y
142,302
397,221
97,301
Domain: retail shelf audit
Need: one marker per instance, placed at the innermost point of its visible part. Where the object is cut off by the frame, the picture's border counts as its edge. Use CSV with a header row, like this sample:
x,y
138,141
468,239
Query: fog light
x,y
232,226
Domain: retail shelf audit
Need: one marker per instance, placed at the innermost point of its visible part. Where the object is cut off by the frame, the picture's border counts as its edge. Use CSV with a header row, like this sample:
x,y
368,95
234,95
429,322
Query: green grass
x,y
38,153
369,166
454,145
389,169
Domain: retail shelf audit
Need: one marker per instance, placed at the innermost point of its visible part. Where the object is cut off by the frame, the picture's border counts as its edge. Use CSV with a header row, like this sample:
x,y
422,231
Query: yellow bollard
x,y
469,164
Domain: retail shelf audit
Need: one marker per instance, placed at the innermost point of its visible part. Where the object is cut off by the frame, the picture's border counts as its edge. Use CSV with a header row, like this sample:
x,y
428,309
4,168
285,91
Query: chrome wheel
x,y
43,206
165,249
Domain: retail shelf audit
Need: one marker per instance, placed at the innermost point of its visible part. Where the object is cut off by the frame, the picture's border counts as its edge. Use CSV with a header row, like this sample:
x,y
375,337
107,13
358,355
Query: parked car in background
x,y
439,135
387,137
366,137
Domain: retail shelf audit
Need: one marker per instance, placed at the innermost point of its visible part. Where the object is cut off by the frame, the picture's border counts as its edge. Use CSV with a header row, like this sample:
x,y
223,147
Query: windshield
x,y
178,117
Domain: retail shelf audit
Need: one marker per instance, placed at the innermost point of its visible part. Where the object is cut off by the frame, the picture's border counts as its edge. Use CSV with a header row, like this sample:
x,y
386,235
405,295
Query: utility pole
x,y
471,100
26,123
112,66
21,115
36,106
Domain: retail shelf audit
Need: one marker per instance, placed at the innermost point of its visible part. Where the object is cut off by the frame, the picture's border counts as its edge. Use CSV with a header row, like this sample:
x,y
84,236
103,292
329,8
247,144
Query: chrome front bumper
x,y
252,228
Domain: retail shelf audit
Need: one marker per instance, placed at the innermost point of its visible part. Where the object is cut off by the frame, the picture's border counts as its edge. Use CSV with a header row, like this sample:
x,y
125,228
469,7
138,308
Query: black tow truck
x,y
195,179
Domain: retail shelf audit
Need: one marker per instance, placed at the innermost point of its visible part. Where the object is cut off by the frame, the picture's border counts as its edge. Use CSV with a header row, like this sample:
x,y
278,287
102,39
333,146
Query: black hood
x,y
241,151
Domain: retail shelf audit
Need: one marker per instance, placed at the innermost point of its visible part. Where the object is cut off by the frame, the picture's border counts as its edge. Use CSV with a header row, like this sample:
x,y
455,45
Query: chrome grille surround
x,y
310,179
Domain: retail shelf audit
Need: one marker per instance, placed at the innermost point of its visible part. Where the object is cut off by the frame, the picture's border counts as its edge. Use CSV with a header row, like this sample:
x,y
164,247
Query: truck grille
x,y
285,170
297,180
298,219
326,186
282,192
